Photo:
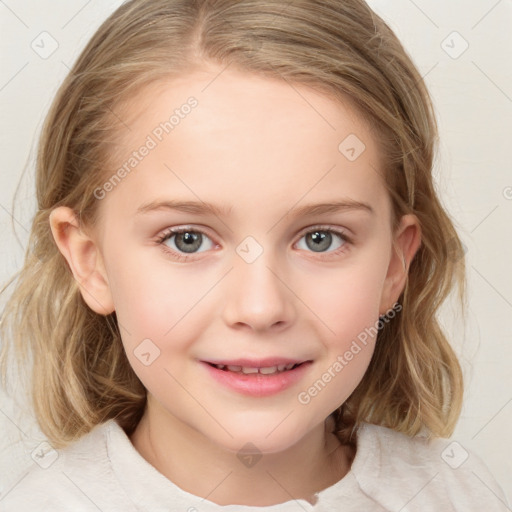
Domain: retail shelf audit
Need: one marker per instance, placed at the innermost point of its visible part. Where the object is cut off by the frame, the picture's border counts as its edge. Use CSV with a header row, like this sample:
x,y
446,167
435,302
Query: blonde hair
x,y
80,375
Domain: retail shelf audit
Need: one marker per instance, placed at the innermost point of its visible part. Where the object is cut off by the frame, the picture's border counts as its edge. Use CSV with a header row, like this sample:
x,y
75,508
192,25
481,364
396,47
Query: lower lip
x,y
257,384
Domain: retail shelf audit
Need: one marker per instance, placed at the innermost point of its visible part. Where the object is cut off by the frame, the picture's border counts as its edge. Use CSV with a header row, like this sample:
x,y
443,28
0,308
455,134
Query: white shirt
x,y
102,471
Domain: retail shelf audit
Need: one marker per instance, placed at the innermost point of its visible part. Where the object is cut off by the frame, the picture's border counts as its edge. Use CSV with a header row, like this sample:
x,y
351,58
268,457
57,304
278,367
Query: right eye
x,y
181,241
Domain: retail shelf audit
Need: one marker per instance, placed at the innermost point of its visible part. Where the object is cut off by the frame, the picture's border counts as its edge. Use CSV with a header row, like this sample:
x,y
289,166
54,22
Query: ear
x,y
84,259
407,241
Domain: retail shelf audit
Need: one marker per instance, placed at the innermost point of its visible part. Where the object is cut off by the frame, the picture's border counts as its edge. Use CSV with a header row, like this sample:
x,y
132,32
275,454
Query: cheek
x,y
347,300
152,295
159,313
350,311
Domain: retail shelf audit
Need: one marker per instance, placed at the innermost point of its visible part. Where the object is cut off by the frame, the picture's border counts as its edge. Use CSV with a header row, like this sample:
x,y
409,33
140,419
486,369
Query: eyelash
x,y
182,258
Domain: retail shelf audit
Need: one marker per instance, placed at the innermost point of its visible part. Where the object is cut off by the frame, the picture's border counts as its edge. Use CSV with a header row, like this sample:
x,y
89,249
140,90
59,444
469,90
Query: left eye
x,y
318,240
185,240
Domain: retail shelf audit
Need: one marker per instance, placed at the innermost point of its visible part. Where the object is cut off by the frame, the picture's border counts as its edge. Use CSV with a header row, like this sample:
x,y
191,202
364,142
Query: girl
x,y
231,287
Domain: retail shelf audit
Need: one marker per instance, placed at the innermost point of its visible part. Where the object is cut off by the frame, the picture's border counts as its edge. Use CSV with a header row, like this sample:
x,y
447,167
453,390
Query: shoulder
x,y
78,477
427,475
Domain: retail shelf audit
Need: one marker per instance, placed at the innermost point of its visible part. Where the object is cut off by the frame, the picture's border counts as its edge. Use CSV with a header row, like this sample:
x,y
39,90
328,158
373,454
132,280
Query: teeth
x,y
249,370
269,370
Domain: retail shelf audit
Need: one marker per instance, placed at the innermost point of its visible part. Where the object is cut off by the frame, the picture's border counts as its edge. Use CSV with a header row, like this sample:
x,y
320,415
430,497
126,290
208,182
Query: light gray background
x,y
473,97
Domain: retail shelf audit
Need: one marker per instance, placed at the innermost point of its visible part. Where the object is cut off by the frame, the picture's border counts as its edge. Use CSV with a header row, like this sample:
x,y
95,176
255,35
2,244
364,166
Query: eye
x,y
320,238
184,241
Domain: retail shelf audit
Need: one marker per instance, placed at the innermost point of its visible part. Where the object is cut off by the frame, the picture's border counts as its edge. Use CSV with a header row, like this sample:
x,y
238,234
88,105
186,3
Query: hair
x,y
80,375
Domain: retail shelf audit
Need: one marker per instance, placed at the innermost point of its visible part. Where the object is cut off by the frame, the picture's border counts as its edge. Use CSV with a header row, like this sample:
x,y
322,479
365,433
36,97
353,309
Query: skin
x,y
262,148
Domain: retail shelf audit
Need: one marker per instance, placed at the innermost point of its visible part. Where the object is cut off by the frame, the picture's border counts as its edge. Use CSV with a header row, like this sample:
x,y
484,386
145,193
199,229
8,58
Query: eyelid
x,y
324,227
169,232
185,227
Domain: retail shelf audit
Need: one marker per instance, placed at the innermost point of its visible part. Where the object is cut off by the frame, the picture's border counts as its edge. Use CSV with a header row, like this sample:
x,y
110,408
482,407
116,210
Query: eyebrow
x,y
205,208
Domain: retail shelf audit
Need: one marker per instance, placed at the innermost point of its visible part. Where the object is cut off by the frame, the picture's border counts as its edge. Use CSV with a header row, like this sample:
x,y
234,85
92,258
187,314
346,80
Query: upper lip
x,y
267,362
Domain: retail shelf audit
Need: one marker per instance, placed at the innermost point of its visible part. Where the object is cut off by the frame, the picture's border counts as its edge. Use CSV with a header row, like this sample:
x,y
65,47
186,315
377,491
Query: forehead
x,y
241,103
245,140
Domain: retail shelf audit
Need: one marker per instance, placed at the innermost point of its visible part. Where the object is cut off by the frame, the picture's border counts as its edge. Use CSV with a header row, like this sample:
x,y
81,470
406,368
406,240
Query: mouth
x,y
253,369
258,378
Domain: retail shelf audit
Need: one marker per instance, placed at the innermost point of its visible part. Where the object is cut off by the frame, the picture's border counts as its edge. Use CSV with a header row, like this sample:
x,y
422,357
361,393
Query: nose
x,y
257,295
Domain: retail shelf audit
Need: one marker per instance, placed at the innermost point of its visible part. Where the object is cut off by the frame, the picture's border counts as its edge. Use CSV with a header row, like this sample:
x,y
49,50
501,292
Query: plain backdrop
x,y
464,51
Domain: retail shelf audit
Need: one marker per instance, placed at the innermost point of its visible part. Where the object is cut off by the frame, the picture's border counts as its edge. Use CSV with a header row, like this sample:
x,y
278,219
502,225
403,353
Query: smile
x,y
268,370
255,380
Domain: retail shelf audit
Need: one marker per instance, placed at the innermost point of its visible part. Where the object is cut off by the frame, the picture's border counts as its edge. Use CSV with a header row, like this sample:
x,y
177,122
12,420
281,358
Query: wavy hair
x,y
79,374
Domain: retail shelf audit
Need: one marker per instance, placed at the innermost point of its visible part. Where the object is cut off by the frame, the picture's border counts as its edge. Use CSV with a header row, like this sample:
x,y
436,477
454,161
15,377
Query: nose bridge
x,y
257,295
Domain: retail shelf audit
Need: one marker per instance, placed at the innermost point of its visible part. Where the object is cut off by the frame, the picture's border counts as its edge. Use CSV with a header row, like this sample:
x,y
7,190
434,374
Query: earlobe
x,y
406,244
84,259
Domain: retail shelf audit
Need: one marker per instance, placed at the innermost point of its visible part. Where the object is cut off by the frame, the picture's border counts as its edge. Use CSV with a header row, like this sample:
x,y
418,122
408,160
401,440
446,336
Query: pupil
x,y
191,241
321,240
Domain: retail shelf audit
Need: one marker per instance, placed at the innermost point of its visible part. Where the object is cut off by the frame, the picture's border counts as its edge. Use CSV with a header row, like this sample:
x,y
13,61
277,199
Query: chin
x,y
270,436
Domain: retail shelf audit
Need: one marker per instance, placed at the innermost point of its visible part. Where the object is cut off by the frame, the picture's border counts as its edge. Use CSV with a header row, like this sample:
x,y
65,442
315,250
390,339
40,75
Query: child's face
x,y
254,287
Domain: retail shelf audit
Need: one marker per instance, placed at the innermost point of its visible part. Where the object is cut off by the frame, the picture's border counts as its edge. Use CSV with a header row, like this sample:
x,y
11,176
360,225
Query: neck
x,y
181,454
